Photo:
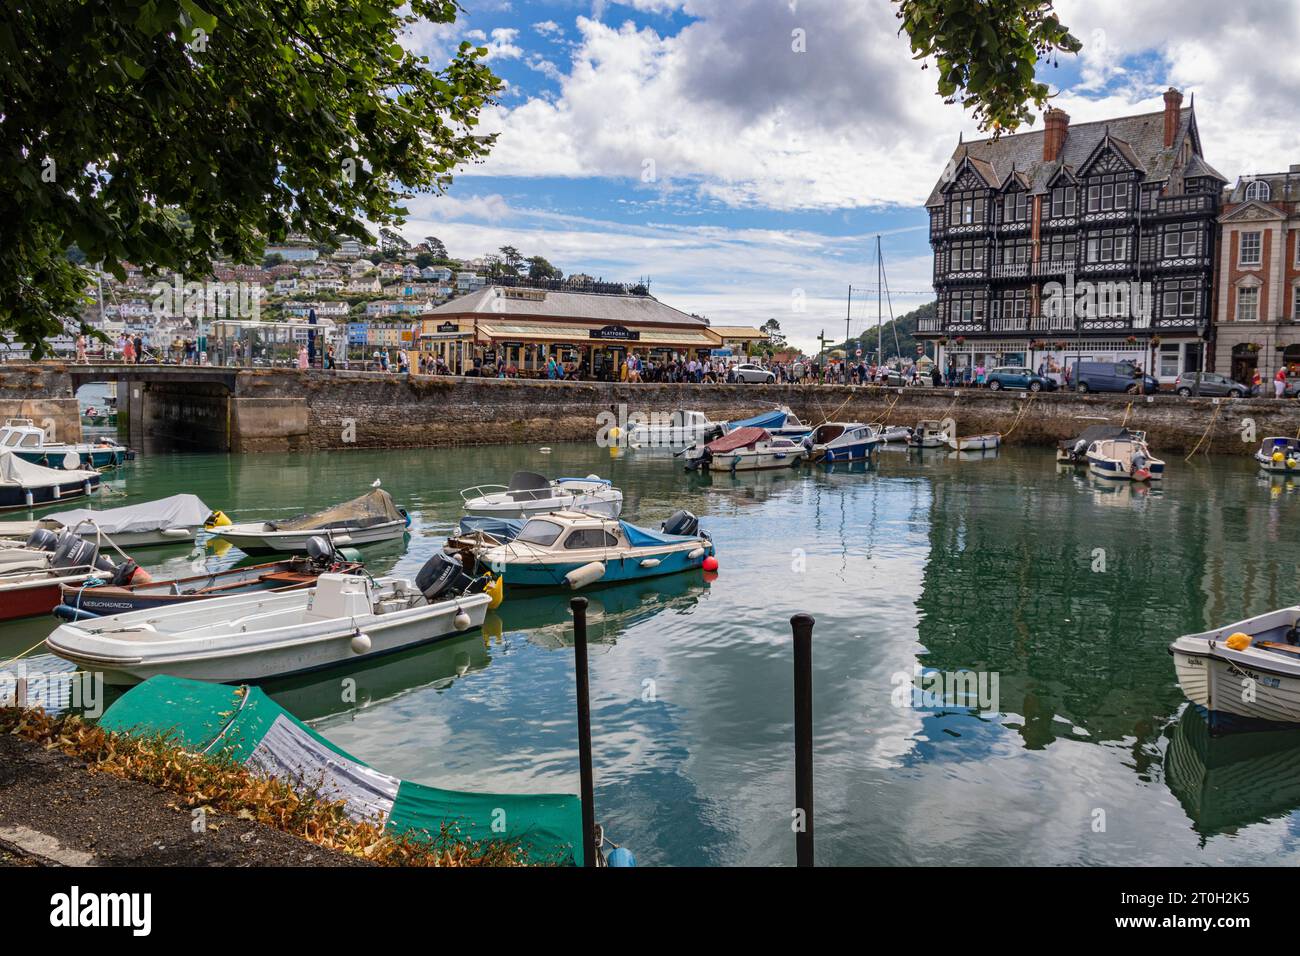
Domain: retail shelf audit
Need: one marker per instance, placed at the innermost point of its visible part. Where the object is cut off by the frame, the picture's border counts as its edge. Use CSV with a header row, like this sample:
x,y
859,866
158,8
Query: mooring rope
x,y
1213,418
1020,415
23,654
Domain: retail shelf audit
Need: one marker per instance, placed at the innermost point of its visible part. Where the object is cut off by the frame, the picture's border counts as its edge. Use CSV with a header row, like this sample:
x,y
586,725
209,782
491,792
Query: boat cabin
x,y
21,433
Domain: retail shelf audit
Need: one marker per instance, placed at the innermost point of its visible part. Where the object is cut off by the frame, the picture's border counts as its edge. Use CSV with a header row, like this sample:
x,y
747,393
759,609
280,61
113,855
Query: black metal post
x,y
802,625
579,606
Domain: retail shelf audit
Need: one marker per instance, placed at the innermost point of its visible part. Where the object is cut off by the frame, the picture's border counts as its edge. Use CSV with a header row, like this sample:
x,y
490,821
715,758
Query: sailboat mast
x,y
880,323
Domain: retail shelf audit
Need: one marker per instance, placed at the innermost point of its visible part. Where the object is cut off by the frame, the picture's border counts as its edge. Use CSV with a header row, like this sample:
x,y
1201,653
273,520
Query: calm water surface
x,y
1067,589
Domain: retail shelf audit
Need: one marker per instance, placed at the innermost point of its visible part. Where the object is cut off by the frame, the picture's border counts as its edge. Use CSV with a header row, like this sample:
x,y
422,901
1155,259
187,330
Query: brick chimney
x,y
1173,103
1055,124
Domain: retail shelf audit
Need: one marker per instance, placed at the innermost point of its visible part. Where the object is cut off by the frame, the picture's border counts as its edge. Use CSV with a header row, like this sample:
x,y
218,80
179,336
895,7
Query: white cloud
x,y
548,28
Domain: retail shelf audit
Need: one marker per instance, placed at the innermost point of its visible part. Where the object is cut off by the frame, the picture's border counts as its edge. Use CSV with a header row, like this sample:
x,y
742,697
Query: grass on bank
x,y
222,786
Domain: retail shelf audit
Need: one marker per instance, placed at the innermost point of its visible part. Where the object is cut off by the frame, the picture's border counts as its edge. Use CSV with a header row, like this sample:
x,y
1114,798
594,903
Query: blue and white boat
x,y
27,440
779,423
576,549
842,441
530,494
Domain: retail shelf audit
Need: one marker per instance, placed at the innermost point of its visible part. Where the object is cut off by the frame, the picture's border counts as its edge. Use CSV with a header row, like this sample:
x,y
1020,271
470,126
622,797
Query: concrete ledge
x,y
62,416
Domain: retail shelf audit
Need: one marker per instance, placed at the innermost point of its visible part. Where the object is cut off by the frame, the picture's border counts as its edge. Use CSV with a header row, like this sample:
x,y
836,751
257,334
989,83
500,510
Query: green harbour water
x,y
1065,588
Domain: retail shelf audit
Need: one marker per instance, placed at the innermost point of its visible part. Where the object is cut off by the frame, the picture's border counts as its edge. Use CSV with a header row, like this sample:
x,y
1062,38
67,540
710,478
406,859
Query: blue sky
x,y
694,143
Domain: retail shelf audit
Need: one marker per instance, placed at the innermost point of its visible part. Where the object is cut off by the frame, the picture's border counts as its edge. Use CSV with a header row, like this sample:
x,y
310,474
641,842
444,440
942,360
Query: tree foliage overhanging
x,y
171,132
986,52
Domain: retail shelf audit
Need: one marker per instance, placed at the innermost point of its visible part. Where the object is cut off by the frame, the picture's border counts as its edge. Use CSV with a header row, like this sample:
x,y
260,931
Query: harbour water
x,y
1059,591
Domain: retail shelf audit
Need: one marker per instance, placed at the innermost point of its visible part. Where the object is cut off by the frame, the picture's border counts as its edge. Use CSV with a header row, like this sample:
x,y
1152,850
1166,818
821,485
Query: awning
x,y
544,332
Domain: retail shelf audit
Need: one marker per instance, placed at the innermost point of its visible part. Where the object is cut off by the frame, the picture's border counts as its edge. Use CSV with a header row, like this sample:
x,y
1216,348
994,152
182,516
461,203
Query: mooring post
x,y
802,625
589,849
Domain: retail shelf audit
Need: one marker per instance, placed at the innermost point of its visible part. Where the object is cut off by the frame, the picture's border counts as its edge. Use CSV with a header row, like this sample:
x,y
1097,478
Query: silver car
x,y
748,373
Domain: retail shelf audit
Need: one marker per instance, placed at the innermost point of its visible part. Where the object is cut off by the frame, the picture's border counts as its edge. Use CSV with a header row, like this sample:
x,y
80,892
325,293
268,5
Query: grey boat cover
x,y
26,474
374,507
1096,433
178,511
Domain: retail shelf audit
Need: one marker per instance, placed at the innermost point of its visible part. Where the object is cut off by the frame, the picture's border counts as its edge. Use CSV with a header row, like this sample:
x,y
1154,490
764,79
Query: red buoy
x,y
710,563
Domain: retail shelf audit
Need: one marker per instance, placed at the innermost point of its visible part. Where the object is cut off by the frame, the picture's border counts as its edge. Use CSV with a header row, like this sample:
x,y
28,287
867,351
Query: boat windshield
x,y
539,531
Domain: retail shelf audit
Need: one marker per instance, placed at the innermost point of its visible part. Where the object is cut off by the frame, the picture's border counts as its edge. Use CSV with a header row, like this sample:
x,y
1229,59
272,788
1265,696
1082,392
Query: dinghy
x,y
1125,459
343,618
33,586
27,440
174,520
841,441
573,549
975,442
892,433
1279,456
673,431
97,597
24,485
745,449
530,494
365,520
1246,674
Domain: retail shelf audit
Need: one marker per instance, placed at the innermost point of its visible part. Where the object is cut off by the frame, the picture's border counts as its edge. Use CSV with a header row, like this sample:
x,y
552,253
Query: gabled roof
x,y
501,304
1140,139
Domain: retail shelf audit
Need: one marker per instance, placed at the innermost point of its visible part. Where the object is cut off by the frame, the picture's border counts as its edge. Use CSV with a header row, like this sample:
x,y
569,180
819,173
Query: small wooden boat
x,y
1279,456
173,520
529,494
928,434
1260,654
1124,459
342,619
89,599
746,449
372,517
25,485
26,440
975,442
573,549
33,585
841,441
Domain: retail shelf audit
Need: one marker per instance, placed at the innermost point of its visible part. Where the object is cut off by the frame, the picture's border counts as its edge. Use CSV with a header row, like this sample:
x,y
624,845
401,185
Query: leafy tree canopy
x,y
986,51
123,121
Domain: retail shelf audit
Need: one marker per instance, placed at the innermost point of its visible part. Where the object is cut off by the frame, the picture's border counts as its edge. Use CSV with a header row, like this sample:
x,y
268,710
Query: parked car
x,y
1017,376
1112,377
1212,384
747,372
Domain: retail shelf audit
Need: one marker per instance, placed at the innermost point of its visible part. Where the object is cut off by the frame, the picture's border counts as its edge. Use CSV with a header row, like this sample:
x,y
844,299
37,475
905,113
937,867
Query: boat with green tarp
x,y
246,725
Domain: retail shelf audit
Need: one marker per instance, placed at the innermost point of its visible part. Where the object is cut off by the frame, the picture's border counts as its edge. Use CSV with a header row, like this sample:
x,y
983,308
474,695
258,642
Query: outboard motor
x,y
320,550
43,540
681,522
441,576
73,552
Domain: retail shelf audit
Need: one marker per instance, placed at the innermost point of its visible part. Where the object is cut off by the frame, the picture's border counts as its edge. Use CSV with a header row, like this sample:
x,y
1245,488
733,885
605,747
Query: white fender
x,y
650,563
587,574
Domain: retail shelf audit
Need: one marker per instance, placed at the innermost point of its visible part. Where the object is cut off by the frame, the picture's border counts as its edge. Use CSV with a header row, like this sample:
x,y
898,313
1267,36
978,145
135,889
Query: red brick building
x,y
1257,287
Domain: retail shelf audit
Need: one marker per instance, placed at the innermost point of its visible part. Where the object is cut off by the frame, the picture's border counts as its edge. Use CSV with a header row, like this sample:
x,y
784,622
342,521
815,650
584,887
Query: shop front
x,y
593,352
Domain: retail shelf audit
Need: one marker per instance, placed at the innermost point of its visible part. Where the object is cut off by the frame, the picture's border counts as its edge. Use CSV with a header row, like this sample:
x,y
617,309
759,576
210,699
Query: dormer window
x,y
1015,207
1062,201
1257,190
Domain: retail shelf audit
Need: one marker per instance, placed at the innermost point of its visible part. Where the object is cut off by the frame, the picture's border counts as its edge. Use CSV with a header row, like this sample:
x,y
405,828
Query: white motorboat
x,y
27,440
372,517
1246,672
249,637
975,442
674,430
1279,456
25,485
532,494
174,520
1125,459
779,423
1074,451
892,433
746,449
928,434
841,441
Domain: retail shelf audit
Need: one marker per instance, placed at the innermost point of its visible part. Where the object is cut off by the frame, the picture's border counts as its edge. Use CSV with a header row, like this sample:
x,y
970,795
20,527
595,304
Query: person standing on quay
x,y
139,350
302,357
1279,383
128,352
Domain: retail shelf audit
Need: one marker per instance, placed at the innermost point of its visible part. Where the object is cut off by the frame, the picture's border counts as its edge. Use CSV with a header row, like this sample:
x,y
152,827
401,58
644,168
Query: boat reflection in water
x,y
545,619
345,691
973,454
1230,782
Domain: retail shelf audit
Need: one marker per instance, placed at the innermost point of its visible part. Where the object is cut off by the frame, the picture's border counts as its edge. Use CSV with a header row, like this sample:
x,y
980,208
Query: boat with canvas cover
x,y
97,597
372,517
33,586
342,618
174,520
674,431
892,433
1279,456
1260,655
530,494
746,449
24,485
573,549
780,423
841,441
1124,459
27,440
246,726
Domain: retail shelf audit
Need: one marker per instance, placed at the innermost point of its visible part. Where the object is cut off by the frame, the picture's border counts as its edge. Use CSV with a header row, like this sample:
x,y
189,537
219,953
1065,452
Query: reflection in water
x,y
1068,587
